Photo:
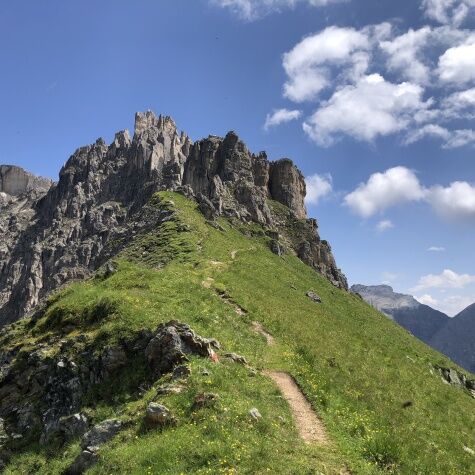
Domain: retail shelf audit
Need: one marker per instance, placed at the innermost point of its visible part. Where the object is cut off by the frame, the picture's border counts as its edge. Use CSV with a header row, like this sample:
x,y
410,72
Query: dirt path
x,y
227,299
258,328
310,427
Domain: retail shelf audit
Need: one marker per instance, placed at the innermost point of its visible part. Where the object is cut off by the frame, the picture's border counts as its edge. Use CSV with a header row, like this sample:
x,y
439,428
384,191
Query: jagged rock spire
x,y
101,189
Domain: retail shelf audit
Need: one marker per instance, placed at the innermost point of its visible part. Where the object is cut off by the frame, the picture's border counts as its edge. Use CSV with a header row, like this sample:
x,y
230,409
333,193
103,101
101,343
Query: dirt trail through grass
x,y
310,427
259,329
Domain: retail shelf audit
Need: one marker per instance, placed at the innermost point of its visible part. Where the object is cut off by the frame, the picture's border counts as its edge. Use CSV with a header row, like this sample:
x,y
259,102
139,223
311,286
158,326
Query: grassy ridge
x,y
355,366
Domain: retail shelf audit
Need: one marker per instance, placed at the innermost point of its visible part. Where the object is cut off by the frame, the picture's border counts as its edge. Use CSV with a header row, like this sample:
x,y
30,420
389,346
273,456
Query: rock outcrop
x,y
41,394
55,233
15,181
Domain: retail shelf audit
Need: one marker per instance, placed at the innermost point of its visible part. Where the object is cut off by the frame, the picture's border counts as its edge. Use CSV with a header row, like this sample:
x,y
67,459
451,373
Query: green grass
x,y
355,366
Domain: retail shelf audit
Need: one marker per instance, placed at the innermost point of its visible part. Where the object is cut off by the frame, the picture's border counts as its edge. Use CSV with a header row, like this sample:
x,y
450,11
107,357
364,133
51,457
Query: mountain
x,y
96,207
421,320
169,308
457,338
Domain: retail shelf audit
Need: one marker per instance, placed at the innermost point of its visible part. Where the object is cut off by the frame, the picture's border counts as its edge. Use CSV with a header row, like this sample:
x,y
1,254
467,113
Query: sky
x,y
374,100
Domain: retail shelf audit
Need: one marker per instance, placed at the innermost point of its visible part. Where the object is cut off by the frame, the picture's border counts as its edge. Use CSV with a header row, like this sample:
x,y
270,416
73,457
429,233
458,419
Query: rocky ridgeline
x,y
55,233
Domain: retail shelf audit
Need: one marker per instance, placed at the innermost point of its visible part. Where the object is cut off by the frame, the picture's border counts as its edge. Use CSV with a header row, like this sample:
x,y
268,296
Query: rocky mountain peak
x,y
15,181
384,298
70,230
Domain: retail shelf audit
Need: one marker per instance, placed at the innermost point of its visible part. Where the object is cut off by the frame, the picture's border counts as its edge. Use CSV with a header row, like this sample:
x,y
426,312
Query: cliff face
x,y
15,181
56,233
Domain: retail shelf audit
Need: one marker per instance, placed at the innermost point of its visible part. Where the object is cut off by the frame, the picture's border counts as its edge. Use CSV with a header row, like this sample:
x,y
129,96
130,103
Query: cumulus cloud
x,y
384,225
460,104
454,304
457,64
398,185
372,107
280,116
307,64
451,138
452,12
318,186
449,305
456,201
253,9
427,299
383,190
447,279
405,54
436,249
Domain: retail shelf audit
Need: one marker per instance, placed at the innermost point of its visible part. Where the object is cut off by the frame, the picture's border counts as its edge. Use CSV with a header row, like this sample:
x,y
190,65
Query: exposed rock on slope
x,y
40,394
102,189
15,181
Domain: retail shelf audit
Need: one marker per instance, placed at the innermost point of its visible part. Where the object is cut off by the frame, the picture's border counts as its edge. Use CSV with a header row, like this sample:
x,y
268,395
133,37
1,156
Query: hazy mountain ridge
x,y
455,337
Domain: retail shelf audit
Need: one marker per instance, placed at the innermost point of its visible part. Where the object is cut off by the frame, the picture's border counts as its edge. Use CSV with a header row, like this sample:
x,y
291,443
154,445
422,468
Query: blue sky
x,y
373,99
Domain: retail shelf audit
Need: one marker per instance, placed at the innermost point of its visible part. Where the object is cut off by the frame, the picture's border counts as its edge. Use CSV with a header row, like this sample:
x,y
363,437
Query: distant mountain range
x,y
455,337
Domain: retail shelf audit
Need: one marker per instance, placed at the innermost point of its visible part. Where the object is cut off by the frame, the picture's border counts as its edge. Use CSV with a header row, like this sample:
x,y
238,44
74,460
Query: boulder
x,y
158,415
172,343
236,358
314,297
100,434
73,426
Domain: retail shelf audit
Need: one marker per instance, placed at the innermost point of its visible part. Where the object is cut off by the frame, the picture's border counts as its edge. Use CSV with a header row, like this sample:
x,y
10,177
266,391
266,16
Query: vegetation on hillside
x,y
372,383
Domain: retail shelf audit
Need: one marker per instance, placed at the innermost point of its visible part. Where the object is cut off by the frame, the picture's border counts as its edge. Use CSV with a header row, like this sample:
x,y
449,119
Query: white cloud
x,y
383,190
455,304
398,185
460,104
432,130
460,138
307,64
451,138
436,249
449,305
384,225
457,64
456,201
427,299
448,11
372,107
318,186
253,9
280,116
448,279
404,54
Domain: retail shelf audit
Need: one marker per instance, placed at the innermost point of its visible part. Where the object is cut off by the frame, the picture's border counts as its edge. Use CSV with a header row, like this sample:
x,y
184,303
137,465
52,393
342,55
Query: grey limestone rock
x,y
172,343
100,434
158,415
54,233
314,297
